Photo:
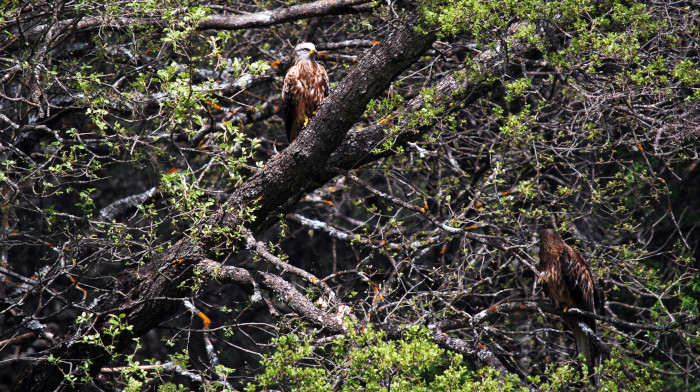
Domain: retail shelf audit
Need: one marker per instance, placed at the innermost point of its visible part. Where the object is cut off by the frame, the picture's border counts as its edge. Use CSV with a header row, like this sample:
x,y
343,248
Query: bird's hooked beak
x,y
313,51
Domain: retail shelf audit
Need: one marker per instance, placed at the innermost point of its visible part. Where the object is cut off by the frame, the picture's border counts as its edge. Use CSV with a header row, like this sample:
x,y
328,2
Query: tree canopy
x,y
160,233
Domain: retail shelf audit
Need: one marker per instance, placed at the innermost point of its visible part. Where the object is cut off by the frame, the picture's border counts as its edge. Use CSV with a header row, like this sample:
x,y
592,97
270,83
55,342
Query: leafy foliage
x,y
367,360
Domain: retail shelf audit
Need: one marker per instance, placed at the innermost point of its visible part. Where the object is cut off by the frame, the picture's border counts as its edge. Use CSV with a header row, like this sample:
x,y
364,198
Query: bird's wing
x,y
578,278
324,82
289,102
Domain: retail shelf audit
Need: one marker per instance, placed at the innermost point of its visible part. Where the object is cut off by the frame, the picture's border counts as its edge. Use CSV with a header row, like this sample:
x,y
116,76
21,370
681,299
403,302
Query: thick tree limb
x,y
300,168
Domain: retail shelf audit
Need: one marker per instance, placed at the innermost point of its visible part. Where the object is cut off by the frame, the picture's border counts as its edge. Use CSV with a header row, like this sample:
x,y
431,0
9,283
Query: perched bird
x,y
569,283
305,87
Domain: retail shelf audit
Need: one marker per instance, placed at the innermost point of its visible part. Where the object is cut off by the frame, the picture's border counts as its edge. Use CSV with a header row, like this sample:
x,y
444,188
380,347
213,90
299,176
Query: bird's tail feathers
x,y
584,343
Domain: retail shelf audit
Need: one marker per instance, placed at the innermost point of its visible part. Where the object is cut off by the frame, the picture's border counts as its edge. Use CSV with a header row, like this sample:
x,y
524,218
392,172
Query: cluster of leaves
x,y
366,360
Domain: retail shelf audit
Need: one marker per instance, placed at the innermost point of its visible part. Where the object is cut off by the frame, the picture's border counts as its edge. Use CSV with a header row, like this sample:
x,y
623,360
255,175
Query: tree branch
x,y
280,15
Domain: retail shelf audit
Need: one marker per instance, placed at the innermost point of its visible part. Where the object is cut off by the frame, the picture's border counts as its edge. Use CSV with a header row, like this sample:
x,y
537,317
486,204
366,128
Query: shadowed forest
x,y
159,232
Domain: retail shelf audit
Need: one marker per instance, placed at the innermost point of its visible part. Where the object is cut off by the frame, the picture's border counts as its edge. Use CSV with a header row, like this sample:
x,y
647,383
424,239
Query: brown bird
x,y
569,283
305,87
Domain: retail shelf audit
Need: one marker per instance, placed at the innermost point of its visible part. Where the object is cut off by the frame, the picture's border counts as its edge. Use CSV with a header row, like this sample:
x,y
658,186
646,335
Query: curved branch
x,y
260,248
283,291
281,15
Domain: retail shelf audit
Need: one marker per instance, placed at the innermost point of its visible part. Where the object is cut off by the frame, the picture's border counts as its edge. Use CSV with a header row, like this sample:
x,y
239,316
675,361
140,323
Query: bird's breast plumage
x,y
305,87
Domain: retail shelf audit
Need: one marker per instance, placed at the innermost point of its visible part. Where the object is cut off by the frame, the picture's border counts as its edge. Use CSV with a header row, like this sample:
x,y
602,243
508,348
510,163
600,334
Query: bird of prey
x,y
305,87
569,283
